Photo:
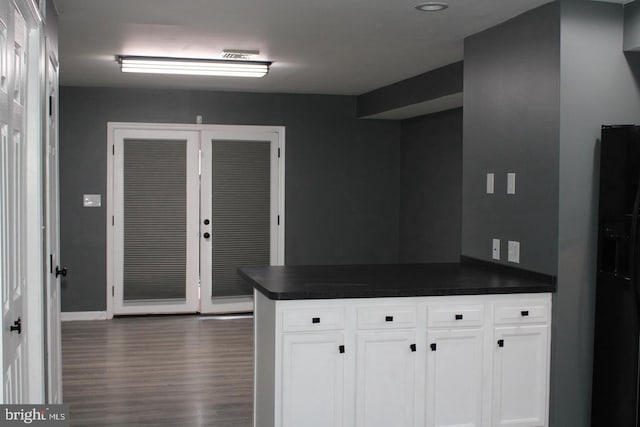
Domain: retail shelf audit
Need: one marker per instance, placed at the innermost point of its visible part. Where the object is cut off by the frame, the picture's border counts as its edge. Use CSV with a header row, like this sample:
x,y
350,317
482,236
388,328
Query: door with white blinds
x,y
240,214
155,221
189,208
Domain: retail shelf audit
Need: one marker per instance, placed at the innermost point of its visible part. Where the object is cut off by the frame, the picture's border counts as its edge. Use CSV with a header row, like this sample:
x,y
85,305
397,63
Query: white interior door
x,y
155,221
52,241
13,77
242,215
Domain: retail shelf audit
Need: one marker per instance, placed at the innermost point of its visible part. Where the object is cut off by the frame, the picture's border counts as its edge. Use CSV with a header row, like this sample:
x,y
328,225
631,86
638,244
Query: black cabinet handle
x,y
459,316
524,313
433,347
61,271
412,347
500,343
315,320
388,319
341,349
17,326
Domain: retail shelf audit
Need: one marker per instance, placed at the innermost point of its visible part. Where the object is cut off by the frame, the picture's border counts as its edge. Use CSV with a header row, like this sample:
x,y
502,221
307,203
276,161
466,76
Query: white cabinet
x,y
463,361
312,380
454,378
520,376
385,378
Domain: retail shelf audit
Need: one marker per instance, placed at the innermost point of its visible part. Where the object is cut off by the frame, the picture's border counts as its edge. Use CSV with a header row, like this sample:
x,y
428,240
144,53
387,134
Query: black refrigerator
x,y
616,381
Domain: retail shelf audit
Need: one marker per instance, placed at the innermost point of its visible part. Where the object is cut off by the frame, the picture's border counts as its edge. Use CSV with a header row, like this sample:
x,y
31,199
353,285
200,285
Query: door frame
x,y
259,132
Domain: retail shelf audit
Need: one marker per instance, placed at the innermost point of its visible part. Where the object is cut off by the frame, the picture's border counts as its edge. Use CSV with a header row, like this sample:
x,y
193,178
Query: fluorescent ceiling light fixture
x,y
193,67
432,6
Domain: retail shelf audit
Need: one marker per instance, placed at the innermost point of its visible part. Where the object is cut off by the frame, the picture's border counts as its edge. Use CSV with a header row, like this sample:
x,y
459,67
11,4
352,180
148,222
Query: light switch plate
x,y
495,253
91,200
511,183
490,183
514,252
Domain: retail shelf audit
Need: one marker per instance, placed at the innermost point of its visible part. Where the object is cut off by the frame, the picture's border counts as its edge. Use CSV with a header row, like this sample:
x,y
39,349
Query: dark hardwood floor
x,y
159,371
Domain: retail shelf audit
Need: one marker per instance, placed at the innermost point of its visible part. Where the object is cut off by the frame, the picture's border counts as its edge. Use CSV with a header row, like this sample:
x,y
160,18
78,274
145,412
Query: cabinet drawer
x,y
386,317
521,312
313,319
447,316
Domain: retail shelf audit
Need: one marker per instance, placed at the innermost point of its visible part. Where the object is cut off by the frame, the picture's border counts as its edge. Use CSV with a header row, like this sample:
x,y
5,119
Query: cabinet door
x,y
385,379
312,380
454,378
520,376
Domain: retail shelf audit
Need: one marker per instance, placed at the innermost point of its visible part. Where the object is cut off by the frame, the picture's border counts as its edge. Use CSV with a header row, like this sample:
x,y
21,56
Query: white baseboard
x,y
68,316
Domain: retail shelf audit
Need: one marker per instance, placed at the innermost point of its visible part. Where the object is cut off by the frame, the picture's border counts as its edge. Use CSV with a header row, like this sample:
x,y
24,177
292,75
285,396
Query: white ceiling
x,y
344,47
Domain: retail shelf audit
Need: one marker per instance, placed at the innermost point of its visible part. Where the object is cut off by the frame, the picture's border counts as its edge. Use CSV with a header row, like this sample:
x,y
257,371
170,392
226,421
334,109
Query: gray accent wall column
x,y
511,124
597,87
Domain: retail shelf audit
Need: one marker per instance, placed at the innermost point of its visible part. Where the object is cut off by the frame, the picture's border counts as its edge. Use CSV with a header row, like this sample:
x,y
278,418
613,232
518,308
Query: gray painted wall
x,y
597,87
511,124
431,188
342,174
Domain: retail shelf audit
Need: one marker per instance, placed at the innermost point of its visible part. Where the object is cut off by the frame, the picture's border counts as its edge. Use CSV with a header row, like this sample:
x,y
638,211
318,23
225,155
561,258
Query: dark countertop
x,y
469,277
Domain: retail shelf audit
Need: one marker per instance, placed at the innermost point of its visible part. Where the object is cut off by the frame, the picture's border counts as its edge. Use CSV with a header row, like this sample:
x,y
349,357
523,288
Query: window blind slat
x,y
240,212
155,240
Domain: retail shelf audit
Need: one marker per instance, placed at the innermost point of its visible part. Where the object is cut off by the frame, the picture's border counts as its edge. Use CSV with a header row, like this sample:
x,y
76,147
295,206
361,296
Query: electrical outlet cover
x,y
514,252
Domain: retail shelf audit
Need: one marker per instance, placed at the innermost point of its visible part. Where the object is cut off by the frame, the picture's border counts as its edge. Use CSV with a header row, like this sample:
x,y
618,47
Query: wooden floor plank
x,y
159,371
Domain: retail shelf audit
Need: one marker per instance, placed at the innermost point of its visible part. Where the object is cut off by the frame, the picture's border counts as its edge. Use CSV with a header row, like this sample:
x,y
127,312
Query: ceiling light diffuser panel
x,y
193,67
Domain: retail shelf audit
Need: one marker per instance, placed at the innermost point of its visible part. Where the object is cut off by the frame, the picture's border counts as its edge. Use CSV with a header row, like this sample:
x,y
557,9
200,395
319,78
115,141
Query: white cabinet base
x,y
473,361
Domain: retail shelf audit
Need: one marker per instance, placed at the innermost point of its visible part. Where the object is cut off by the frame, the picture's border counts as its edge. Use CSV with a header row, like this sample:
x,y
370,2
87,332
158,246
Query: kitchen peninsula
x,y
401,345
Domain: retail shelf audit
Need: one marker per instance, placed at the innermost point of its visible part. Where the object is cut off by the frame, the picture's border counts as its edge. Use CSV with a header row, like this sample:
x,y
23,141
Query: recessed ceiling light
x,y
432,6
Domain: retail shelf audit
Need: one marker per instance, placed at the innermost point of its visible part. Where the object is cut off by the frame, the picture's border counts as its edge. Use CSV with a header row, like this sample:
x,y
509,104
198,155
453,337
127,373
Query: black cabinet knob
x,y
206,235
341,349
315,320
17,326
206,222
459,316
524,313
388,319
61,272
500,343
433,347
412,347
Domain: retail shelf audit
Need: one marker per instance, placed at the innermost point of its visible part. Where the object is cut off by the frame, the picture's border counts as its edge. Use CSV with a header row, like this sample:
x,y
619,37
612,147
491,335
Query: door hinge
x,y
50,105
113,291
113,220
278,152
50,263
113,150
278,219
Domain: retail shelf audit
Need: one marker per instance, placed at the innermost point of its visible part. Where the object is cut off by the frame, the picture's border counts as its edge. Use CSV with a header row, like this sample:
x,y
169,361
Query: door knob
x,y
206,235
17,326
61,272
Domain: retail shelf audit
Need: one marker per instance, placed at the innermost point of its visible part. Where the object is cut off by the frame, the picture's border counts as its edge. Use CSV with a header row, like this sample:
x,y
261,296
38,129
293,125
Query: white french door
x,y
155,221
189,205
239,213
